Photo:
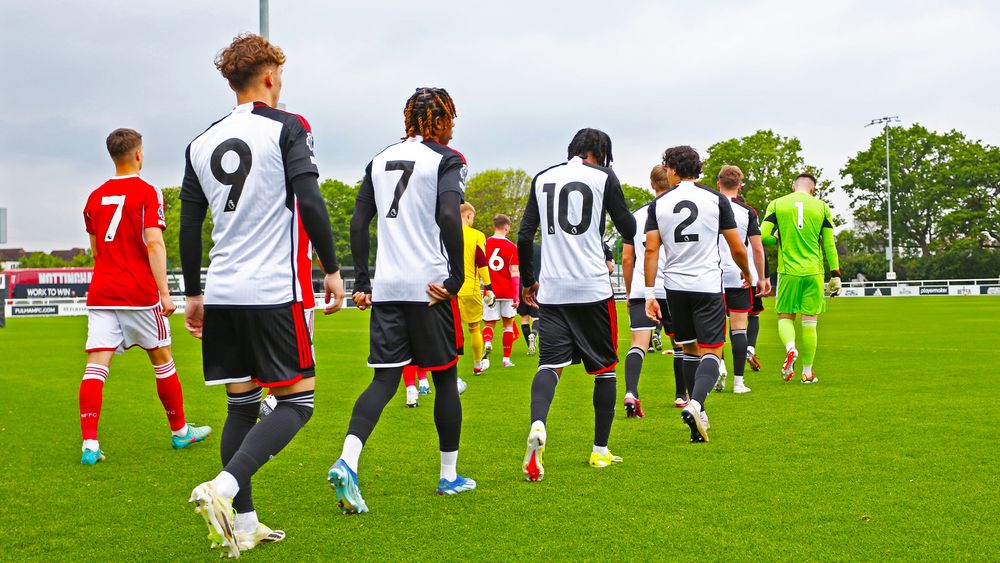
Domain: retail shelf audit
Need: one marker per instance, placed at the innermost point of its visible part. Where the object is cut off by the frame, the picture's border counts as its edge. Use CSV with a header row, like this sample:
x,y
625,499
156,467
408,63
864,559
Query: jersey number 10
x,y
586,211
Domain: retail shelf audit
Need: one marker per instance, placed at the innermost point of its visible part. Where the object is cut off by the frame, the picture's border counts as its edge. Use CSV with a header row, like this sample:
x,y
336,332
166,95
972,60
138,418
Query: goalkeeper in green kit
x,y
802,227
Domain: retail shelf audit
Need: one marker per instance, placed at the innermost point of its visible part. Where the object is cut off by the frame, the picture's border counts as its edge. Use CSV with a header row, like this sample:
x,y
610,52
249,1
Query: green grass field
x,y
892,456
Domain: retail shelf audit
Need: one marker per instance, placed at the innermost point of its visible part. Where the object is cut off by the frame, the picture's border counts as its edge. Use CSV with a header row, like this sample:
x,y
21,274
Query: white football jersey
x,y
569,202
746,224
689,219
242,166
404,180
638,289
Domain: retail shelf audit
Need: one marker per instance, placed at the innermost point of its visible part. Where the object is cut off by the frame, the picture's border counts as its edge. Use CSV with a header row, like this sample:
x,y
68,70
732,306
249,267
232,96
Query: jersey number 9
x,y
237,178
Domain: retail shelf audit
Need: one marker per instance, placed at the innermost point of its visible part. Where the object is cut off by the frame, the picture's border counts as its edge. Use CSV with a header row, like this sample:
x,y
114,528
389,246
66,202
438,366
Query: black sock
x,y
680,388
369,406
543,390
633,368
525,329
447,409
753,328
707,373
605,389
690,369
241,418
739,340
271,435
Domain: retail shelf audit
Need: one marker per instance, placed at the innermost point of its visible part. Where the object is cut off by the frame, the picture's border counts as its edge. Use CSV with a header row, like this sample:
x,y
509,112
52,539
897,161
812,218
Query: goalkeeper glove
x,y
835,285
488,297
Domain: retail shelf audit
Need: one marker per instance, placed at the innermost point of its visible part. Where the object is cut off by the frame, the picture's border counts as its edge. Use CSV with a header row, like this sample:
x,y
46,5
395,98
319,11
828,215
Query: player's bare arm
x,y
758,262
739,252
651,262
93,246
628,266
158,264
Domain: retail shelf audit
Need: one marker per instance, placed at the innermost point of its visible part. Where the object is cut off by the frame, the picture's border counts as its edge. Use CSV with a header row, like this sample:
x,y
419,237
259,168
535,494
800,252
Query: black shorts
x,y
269,346
639,321
739,300
413,333
698,317
571,333
524,309
758,304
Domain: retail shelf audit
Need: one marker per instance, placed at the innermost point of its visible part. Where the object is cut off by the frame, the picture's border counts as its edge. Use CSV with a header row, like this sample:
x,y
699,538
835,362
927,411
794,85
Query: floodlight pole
x,y
885,121
264,20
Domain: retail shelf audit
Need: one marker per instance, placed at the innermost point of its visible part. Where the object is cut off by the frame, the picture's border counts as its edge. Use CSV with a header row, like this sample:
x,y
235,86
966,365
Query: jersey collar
x,y
125,176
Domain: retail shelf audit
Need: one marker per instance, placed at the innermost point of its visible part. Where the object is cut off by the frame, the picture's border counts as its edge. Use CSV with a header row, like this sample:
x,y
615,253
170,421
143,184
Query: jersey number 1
x,y
237,178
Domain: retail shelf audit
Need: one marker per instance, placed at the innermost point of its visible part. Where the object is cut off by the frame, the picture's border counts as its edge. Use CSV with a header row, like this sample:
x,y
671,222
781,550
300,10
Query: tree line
x,y
945,190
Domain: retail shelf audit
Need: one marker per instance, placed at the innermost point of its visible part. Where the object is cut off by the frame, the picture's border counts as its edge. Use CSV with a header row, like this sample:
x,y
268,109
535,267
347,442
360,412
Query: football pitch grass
x,y
892,456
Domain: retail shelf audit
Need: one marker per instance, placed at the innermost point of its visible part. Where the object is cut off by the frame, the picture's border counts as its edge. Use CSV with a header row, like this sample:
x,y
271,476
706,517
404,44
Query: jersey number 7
x,y
406,166
237,178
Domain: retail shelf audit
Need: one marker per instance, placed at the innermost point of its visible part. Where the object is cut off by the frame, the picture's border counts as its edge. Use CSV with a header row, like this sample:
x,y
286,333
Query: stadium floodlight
x,y
264,21
885,121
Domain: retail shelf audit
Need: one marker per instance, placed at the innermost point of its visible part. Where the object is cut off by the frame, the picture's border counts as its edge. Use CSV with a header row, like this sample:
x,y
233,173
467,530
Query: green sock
x,y
786,331
809,339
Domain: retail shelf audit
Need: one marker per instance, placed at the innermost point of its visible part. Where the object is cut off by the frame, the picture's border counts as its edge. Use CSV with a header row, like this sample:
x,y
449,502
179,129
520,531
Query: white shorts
x,y
119,329
501,308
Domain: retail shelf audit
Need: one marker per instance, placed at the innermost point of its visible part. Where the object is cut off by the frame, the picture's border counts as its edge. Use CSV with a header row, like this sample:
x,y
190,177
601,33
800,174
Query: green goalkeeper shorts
x,y
800,294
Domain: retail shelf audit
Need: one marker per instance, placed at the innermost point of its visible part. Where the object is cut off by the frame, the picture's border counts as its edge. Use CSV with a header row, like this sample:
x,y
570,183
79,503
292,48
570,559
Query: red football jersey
x,y
118,213
501,254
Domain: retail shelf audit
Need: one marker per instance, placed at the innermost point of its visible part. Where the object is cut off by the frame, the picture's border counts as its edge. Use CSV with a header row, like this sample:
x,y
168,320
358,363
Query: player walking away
x,y
753,320
805,227
578,319
641,325
129,302
256,171
501,256
529,313
471,297
739,300
416,188
688,220
412,375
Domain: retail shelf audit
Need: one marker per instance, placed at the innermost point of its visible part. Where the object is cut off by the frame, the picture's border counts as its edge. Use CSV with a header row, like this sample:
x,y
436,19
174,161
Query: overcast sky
x,y
525,76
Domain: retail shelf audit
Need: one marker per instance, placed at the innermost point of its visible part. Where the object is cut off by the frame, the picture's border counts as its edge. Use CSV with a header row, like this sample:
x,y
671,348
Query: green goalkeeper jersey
x,y
802,226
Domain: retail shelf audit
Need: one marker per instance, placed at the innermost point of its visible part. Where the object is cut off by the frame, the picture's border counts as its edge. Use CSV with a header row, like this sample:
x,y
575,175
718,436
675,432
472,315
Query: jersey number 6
x,y
237,178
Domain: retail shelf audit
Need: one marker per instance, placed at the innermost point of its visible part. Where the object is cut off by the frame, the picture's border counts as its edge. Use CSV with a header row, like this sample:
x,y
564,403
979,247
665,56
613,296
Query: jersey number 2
x,y
237,178
406,166
679,234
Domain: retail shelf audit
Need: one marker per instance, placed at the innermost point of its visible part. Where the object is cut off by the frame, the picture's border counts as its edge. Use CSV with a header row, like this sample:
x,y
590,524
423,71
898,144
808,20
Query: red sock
x,y
91,395
508,342
410,375
487,334
168,387
422,375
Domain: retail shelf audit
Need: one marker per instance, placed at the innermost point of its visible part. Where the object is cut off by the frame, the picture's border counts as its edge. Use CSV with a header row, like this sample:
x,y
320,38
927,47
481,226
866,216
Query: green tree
x,y
171,236
769,163
340,198
85,260
636,196
41,260
944,189
496,191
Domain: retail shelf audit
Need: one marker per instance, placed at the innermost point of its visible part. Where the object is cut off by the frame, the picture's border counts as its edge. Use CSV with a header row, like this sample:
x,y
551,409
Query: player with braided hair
x,y
415,188
594,142
428,113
